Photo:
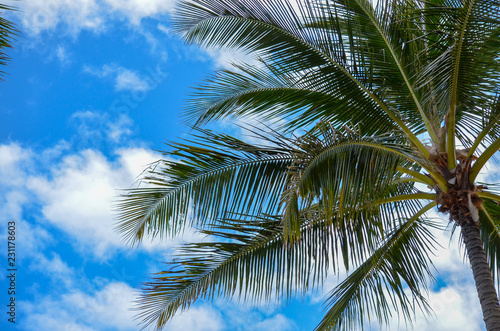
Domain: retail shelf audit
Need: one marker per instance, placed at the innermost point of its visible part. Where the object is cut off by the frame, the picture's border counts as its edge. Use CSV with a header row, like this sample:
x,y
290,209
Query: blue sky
x,y
94,88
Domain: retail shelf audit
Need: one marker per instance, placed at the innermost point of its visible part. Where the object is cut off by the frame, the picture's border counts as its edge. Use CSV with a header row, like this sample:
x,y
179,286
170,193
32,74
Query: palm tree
x,y
7,34
398,104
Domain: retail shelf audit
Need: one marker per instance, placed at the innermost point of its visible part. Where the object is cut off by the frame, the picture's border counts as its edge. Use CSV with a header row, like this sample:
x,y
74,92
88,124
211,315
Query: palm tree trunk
x,y
482,276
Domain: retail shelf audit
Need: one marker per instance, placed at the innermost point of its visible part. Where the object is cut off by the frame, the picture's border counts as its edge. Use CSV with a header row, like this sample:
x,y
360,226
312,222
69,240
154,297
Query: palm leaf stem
x,y
413,196
491,222
409,180
423,178
483,158
481,136
489,195
364,4
452,159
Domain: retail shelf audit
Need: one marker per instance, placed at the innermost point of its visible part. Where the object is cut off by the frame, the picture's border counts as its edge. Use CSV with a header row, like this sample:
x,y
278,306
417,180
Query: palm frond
x,y
8,33
350,170
488,129
216,175
246,258
485,156
476,25
462,47
279,34
342,171
401,264
352,179
383,31
298,99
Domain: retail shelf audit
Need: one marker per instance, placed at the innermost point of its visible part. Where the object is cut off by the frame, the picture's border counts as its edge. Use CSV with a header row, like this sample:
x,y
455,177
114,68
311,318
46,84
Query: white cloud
x,y
15,165
12,204
253,316
73,15
63,55
80,304
53,153
455,307
224,57
94,127
202,318
77,198
55,268
13,159
278,322
164,29
33,239
157,47
124,79
127,80
136,10
120,128
106,308
490,173
105,71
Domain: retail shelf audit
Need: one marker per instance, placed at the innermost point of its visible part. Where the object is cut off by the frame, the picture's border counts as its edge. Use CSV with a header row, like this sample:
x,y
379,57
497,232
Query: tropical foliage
x,y
7,34
396,107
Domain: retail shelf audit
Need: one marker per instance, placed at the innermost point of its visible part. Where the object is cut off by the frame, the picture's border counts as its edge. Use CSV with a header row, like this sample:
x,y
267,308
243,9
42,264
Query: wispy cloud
x,y
136,10
75,196
124,79
78,195
73,16
104,308
127,80
61,54
94,128
164,29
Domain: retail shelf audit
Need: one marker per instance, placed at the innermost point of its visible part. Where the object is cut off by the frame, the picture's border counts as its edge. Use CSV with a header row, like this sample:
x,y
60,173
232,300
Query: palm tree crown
x,y
399,104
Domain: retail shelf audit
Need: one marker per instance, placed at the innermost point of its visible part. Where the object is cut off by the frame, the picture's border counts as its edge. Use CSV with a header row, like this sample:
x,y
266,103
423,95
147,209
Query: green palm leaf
x,y
298,99
217,176
8,33
342,171
402,262
463,67
250,261
248,258
273,31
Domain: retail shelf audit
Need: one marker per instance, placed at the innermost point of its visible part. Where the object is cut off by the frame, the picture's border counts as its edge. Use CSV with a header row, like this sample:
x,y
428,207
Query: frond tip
x,y
247,258
216,176
401,263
